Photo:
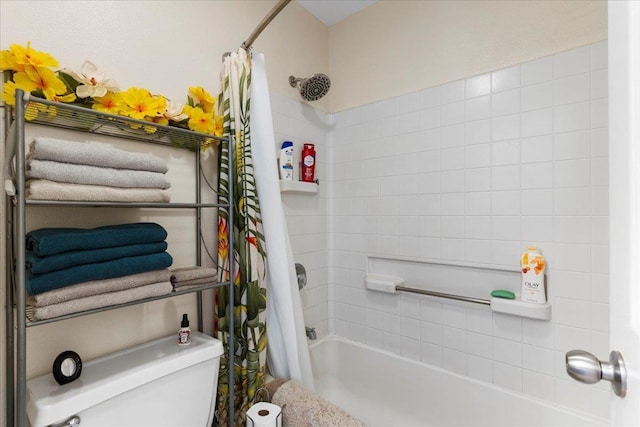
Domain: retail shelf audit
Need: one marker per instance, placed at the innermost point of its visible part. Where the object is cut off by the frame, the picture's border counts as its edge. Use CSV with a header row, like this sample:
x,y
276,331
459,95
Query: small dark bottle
x,y
184,333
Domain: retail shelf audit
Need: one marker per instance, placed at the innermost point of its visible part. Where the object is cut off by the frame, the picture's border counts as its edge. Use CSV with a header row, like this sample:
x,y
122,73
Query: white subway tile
x,y
507,351
505,79
452,204
480,368
505,253
478,179
570,338
537,202
431,333
479,321
506,203
572,229
574,61
536,149
430,226
430,97
539,70
572,173
432,354
505,227
600,171
600,230
508,376
429,139
430,182
537,122
574,88
476,156
391,342
390,107
599,84
571,117
600,317
478,85
537,385
505,103
452,158
430,247
600,113
537,175
454,338
454,316
538,333
477,227
452,136
505,152
478,203
538,359
505,127
479,344
408,103
572,394
600,201
452,249
507,327
453,113
572,312
477,132
455,361
536,96
600,259
477,251
429,204
372,112
453,226
572,257
410,327
478,108
431,311
571,201
429,118
505,177
600,142
374,338
452,181
410,348
570,284
571,145
452,92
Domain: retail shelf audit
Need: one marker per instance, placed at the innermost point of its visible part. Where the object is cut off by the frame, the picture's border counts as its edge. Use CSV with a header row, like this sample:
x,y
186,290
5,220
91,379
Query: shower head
x,y
311,88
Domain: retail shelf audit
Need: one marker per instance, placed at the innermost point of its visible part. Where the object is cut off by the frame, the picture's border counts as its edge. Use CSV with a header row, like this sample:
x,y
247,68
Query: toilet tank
x,y
153,384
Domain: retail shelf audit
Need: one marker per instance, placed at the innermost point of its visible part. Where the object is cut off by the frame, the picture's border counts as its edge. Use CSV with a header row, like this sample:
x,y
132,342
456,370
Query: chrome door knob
x,y
586,368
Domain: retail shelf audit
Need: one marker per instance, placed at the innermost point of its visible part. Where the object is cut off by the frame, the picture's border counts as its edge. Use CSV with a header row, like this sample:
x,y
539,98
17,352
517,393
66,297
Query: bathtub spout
x,y
311,333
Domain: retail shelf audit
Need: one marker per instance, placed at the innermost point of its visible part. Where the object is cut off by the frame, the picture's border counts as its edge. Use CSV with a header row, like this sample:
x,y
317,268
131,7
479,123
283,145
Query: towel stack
x,y
192,277
89,171
73,269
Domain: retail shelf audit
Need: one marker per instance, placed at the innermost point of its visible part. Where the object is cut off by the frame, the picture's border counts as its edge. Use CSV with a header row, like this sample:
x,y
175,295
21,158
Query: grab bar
x,y
443,295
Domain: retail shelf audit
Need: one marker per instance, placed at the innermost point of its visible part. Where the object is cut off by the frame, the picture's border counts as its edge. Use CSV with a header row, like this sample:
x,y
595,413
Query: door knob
x,y
586,368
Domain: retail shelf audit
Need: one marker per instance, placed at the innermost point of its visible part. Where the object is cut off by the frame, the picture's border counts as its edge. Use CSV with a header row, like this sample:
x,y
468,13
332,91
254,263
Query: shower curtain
x,y
244,102
287,352
248,248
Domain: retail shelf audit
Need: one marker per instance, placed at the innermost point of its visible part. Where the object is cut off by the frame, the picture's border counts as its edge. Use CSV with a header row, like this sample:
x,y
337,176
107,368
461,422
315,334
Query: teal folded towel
x,y
46,264
38,283
51,241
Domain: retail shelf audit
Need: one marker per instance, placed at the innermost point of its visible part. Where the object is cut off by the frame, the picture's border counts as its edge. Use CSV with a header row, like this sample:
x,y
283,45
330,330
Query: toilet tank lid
x,y
114,374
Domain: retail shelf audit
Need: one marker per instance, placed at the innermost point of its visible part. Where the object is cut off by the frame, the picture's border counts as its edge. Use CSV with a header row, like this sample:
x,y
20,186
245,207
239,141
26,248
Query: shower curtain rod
x,y
246,45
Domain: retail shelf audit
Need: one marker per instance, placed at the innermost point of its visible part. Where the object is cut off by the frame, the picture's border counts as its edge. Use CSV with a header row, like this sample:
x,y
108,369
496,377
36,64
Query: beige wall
x,y
396,47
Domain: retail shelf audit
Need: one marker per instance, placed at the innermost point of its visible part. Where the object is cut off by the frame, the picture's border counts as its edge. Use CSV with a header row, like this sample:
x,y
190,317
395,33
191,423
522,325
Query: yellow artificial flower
x,y
110,103
218,125
139,104
201,121
18,57
44,80
33,109
9,93
202,98
67,99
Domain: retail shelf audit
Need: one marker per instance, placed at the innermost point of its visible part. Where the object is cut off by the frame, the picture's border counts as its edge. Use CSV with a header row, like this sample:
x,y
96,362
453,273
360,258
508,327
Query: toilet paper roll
x,y
264,414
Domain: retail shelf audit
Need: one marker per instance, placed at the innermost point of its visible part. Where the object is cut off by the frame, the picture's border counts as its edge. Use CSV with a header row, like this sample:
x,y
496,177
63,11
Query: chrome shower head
x,y
311,88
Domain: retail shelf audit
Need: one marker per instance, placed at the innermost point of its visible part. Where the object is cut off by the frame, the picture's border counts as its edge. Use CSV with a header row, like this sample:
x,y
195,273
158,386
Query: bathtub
x,y
383,389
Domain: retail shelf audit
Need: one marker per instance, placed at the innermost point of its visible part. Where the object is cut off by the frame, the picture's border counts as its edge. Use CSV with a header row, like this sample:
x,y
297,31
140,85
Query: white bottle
x,y
533,266
286,161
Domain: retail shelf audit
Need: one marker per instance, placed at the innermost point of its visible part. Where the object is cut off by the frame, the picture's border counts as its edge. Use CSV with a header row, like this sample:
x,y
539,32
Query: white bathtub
x,y
383,389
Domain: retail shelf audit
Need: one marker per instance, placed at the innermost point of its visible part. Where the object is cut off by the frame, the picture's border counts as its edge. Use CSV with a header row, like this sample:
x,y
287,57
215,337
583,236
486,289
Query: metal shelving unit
x,y
29,109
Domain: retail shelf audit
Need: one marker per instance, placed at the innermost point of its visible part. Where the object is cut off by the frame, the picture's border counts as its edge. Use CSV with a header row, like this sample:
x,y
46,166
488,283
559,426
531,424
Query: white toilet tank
x,y
153,384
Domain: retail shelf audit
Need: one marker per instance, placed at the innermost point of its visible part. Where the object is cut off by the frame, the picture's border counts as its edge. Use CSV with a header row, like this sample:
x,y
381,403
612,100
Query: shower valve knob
x,y
587,368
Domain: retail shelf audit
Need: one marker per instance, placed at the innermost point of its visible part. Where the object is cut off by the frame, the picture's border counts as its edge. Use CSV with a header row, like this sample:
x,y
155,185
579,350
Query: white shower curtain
x,y
287,351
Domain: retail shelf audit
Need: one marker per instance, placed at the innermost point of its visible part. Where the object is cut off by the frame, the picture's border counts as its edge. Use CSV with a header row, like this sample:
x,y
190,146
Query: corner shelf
x,y
520,308
298,187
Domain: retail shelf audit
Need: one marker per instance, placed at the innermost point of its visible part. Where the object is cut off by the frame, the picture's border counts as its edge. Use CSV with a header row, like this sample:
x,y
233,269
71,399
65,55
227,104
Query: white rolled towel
x,y
93,153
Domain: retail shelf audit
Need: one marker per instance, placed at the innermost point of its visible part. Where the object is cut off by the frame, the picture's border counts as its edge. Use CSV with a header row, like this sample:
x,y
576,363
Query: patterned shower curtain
x,y
250,337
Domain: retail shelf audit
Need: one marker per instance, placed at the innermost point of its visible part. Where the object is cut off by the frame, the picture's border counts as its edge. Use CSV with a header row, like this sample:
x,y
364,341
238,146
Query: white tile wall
x,y
472,171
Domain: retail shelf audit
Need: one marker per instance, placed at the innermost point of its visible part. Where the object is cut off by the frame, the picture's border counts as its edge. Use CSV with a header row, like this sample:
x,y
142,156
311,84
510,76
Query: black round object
x,y
67,367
